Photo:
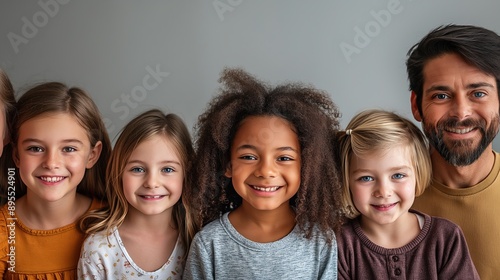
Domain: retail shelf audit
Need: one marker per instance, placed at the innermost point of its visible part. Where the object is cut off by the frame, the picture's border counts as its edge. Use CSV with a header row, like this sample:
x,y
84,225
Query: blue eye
x,y
479,94
441,96
398,176
366,178
168,170
137,169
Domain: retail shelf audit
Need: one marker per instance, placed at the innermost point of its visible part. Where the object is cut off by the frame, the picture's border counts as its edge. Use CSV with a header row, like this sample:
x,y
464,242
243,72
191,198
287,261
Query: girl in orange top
x,y
60,148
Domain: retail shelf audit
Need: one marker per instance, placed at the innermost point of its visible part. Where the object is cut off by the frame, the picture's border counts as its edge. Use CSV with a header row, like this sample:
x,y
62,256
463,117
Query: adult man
x,y
454,74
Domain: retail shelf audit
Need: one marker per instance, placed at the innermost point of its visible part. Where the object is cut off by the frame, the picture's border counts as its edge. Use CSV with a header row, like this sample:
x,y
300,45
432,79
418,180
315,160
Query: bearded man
x,y
454,73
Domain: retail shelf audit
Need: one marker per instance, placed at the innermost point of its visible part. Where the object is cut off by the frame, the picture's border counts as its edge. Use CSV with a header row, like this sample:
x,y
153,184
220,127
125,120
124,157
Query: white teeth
x,y
51,179
271,189
460,131
152,196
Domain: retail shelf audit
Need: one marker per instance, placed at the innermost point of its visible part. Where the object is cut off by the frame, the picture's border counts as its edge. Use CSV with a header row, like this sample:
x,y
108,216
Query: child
x,y
146,232
386,163
7,111
269,191
60,148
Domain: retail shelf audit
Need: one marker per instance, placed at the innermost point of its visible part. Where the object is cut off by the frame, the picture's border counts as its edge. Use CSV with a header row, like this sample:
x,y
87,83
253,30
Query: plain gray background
x,y
132,56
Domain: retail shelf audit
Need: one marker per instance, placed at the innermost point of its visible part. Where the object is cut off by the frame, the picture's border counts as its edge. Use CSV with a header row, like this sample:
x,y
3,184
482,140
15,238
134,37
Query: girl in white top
x,y
145,232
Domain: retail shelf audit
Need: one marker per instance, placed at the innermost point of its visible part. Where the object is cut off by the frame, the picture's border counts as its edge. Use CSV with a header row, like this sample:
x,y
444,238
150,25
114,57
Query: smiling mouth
x,y
266,189
460,131
51,179
152,196
384,206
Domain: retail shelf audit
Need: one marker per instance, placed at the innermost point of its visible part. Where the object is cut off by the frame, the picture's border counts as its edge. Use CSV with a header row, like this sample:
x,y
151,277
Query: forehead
x,y
451,68
157,146
265,130
54,125
398,155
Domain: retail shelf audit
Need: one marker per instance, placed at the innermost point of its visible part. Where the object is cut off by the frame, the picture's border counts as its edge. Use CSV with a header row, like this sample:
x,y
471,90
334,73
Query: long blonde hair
x,y
379,130
148,124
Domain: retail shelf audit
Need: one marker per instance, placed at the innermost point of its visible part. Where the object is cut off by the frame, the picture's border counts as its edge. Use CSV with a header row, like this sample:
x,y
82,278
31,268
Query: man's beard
x,y
461,152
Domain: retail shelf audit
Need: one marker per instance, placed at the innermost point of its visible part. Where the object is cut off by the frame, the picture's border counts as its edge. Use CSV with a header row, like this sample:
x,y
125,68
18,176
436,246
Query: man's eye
x,y
479,94
441,96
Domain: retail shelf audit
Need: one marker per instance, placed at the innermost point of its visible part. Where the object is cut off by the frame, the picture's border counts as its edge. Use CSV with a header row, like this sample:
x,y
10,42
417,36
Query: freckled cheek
x,y
77,164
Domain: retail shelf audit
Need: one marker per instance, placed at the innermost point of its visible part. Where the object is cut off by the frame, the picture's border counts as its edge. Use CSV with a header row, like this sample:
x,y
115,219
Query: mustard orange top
x,y
39,254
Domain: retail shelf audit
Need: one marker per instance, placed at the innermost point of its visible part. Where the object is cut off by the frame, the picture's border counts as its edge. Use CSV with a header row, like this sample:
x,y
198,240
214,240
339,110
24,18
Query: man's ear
x,y
414,106
229,172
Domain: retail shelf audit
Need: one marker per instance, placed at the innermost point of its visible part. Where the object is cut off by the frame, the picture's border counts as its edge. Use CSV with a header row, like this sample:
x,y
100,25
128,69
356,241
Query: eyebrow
x,y
27,140
136,161
396,168
252,147
469,86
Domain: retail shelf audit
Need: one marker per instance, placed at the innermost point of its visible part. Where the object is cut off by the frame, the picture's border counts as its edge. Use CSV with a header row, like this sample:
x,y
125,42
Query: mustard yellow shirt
x,y
476,210
38,254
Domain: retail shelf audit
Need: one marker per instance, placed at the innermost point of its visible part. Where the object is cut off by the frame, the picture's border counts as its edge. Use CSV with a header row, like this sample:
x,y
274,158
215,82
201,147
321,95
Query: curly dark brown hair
x,y
314,117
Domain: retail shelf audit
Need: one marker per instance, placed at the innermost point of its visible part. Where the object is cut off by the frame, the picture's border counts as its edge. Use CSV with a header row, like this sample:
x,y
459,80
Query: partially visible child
x,y
7,113
268,188
7,109
60,149
385,162
146,231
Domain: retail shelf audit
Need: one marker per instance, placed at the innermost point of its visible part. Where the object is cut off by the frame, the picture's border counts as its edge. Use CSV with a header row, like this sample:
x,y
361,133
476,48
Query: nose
x,y
52,160
461,108
151,180
383,190
266,168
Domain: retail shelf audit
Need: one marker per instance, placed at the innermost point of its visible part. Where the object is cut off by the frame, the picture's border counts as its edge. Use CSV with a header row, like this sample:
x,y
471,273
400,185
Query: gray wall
x,y
135,55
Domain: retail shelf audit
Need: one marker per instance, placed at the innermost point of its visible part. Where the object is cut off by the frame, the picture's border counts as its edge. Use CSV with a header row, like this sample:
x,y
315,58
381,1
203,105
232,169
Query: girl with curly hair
x,y
267,185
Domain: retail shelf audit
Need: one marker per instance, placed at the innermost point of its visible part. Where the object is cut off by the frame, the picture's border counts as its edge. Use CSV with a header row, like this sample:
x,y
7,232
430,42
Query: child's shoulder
x,y
439,225
99,239
4,222
216,225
